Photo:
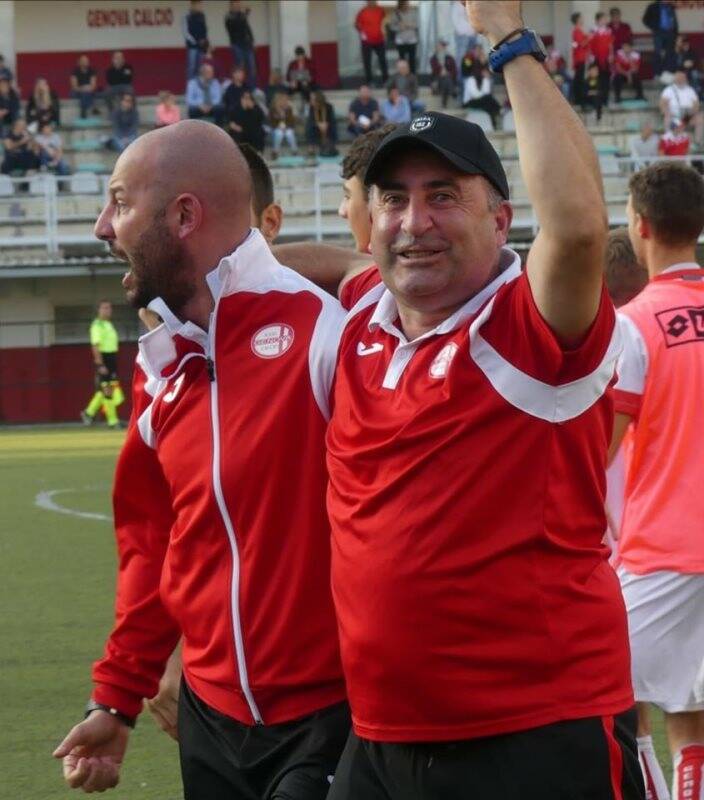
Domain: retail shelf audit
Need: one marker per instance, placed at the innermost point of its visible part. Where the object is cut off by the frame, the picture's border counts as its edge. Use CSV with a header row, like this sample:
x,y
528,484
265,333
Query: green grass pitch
x,y
57,576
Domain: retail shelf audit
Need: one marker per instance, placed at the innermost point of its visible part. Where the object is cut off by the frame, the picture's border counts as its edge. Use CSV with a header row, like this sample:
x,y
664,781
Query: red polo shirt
x,y
466,497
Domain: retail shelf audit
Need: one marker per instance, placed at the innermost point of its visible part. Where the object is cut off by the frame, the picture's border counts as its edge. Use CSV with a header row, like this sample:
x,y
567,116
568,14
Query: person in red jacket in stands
x,y
601,44
370,24
676,141
580,56
621,30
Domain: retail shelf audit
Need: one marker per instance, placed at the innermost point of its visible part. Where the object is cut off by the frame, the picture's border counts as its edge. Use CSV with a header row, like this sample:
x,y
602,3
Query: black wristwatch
x,y
123,718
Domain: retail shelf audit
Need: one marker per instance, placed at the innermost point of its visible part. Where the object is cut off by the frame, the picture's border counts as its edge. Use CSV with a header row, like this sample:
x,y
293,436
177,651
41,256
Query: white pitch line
x,y
45,500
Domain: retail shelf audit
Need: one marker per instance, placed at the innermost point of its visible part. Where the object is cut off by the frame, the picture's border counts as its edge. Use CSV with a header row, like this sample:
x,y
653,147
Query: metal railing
x,y
54,212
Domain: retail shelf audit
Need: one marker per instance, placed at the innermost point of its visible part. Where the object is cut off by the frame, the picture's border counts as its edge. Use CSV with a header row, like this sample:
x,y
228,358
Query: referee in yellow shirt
x,y
104,345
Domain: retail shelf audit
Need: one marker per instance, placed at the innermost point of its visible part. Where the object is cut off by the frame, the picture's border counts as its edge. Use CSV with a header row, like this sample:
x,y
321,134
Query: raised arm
x,y
561,172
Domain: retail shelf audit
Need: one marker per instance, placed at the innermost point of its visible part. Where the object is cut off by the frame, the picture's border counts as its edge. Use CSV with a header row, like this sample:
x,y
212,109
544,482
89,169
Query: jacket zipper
x,y
222,507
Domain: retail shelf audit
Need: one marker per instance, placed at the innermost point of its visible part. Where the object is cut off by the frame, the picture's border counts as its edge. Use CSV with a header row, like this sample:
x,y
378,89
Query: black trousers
x,y
222,759
586,759
408,52
578,89
380,50
620,81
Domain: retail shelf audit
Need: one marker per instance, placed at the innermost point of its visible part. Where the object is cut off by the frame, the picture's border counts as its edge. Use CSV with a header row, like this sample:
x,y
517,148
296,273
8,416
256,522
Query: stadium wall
x,y
52,384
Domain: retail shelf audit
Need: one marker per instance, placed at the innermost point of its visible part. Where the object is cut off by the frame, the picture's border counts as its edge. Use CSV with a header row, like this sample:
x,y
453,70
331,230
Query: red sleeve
x,y
144,635
627,402
517,331
357,286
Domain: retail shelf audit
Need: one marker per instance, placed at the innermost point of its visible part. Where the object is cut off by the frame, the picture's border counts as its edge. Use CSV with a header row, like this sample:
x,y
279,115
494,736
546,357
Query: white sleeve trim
x,y
633,363
322,352
541,400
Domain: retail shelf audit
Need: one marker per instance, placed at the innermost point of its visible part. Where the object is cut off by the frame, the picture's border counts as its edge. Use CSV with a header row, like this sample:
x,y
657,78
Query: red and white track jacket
x,y
219,502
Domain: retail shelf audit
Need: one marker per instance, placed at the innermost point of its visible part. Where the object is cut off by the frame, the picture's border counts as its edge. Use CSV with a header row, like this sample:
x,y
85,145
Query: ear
x,y
188,213
643,227
503,216
271,220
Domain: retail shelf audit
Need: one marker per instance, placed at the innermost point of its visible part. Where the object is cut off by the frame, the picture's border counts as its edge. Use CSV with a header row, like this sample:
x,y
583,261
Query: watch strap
x,y
130,722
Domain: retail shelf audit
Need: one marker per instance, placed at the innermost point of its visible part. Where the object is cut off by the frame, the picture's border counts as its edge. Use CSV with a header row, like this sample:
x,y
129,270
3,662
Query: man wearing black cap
x,y
483,635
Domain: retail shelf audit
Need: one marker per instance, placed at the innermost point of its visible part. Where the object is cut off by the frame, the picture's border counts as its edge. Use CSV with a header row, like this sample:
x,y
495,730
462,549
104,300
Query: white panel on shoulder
x,y
541,400
144,425
152,385
633,363
322,352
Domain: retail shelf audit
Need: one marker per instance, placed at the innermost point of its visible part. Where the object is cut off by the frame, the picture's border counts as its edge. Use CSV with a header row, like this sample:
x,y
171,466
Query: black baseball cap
x,y
462,143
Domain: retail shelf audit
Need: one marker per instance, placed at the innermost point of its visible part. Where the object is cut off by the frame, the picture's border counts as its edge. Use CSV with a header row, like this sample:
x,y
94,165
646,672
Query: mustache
x,y
117,252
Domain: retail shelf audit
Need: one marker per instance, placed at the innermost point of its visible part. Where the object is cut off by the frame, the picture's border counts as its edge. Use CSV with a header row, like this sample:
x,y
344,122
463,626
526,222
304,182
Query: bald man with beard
x,y
219,495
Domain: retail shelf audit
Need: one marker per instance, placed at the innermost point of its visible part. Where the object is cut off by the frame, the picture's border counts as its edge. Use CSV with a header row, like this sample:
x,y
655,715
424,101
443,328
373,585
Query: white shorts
x,y
666,627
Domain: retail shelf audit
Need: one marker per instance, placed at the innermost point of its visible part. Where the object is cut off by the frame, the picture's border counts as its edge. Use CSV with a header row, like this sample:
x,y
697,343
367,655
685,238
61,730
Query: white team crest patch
x,y
441,362
273,340
422,123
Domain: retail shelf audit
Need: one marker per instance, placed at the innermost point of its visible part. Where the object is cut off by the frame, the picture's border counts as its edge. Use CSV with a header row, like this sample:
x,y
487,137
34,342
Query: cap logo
x,y
422,123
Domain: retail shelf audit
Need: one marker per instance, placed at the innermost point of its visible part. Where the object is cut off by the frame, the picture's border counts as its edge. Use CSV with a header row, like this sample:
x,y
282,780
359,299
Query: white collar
x,y
386,311
250,265
682,266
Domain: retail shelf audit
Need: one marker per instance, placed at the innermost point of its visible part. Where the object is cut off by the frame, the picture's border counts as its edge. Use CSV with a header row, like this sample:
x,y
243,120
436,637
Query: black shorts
x,y
110,362
222,759
585,759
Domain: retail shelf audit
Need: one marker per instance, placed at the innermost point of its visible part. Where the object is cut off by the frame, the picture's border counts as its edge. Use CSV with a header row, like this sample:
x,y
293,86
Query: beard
x,y
159,267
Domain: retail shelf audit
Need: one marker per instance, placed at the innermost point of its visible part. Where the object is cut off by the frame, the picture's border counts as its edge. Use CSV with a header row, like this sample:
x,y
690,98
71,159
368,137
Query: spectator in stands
x,y
443,69
396,108
84,85
557,69
686,59
195,33
370,24
621,30
9,106
276,84
5,72
241,40
246,123
660,17
407,84
580,57
301,75
119,78
42,106
21,151
204,96
235,88
125,124
593,91
676,141
478,94
404,24
465,35
679,100
51,150
354,206
321,126
282,121
627,71
646,144
364,112
601,43
167,112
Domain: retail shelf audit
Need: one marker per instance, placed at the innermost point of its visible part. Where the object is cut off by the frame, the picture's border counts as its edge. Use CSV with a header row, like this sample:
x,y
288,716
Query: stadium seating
x,y
38,217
